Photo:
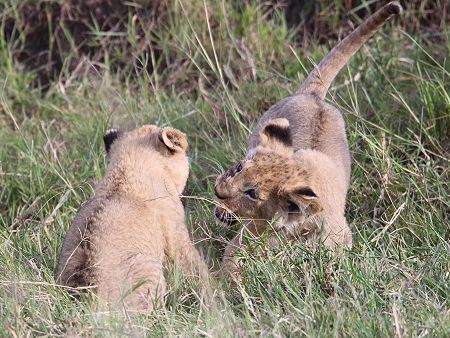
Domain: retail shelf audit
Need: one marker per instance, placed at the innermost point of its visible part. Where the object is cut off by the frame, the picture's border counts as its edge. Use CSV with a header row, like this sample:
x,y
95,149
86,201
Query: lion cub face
x,y
149,150
268,184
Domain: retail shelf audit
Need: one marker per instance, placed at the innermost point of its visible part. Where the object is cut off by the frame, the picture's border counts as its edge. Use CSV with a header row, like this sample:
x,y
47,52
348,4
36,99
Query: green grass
x,y
394,96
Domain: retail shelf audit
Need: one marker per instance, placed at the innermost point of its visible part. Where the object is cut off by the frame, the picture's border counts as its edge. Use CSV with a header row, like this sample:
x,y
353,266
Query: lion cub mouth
x,y
224,216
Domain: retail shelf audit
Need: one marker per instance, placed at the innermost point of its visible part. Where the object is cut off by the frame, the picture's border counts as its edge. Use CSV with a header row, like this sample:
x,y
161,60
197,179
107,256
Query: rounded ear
x,y
110,136
276,135
174,139
306,198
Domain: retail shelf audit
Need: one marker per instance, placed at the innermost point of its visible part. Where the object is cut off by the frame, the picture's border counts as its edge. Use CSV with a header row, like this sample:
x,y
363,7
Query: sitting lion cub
x,y
134,223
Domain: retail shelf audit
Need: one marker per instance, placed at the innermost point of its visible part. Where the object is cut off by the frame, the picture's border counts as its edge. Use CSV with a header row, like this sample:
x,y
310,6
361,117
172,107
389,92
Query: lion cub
x,y
122,237
297,170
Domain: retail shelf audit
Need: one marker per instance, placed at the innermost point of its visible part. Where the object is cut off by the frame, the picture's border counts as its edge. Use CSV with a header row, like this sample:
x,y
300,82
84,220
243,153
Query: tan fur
x,y
298,158
123,236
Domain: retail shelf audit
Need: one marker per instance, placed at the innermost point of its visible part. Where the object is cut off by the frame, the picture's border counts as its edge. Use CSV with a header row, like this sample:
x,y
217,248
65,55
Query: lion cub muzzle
x,y
224,217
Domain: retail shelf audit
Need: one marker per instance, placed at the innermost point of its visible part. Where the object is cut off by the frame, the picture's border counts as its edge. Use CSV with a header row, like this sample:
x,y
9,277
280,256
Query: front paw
x,y
231,272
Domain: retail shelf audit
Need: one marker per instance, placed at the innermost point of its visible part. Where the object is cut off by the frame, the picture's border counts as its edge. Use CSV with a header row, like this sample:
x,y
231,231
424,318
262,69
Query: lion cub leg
x,y
335,232
230,264
143,284
182,251
189,259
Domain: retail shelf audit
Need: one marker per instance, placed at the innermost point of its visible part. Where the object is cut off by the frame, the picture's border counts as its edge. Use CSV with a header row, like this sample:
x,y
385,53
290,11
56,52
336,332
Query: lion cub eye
x,y
238,168
251,193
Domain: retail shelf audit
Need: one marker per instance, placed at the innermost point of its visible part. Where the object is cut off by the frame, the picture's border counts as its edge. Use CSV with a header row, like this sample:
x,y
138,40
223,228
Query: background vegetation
x,y
69,70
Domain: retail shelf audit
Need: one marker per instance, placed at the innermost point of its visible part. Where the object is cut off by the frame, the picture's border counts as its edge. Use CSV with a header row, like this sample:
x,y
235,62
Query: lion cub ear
x,y
110,136
174,139
276,136
307,199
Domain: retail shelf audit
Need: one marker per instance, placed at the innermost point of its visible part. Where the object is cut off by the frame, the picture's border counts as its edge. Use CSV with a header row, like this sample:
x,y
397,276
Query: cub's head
x,y
149,151
269,183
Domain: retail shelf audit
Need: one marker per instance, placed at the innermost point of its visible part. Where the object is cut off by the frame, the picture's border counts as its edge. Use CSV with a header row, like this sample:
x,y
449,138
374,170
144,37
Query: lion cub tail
x,y
319,80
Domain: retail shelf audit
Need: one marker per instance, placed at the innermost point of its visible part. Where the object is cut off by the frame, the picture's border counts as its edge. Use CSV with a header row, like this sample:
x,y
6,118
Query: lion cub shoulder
x,y
121,238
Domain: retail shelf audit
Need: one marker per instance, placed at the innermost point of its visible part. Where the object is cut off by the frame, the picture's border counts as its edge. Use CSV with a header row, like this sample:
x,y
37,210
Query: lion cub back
x,y
122,237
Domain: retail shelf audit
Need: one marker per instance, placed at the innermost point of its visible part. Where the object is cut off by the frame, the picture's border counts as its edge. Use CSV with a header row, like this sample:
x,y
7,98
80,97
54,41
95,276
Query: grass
x,y
220,75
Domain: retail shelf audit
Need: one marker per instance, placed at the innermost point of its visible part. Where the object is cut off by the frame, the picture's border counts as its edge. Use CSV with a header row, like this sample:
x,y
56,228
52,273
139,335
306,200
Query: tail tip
x,y
394,8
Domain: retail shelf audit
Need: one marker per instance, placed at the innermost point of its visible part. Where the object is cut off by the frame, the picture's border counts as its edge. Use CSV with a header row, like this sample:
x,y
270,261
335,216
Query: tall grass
x,y
224,66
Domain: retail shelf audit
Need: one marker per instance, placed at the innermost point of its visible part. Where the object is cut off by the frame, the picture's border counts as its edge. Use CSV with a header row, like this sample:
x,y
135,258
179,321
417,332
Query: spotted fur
x,y
309,172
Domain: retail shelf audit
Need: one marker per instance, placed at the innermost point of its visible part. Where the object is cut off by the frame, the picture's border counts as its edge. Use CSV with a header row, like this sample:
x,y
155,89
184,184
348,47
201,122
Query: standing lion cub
x,y
134,224
297,170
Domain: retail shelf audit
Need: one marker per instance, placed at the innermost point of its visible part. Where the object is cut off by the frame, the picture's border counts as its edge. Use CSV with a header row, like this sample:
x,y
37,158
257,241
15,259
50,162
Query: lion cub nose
x,y
218,195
